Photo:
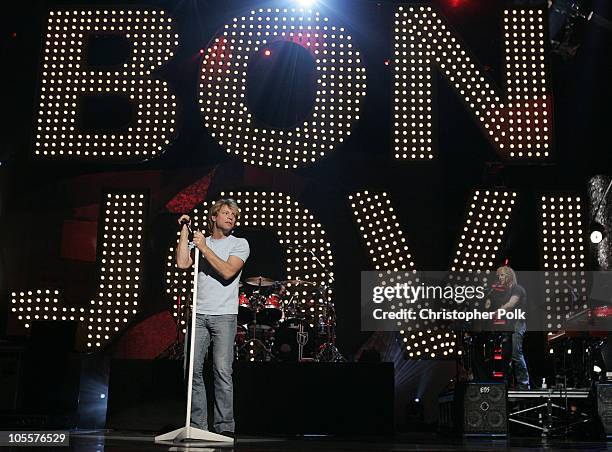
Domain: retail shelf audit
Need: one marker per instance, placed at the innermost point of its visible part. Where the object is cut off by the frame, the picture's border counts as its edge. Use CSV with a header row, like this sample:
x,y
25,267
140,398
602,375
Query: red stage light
x,y
201,51
387,62
267,52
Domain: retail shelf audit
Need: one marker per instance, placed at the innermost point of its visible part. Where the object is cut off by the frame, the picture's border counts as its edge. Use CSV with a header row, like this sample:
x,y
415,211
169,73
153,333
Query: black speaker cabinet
x,y
146,395
483,409
604,406
10,376
51,371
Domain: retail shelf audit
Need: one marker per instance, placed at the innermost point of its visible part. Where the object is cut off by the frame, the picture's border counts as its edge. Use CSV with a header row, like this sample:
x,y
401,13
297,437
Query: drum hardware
x,y
302,338
251,345
274,324
298,282
254,350
328,350
329,353
289,308
239,340
254,347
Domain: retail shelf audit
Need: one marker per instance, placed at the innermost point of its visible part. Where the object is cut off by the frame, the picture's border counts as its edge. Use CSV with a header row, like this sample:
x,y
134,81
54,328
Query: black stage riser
x,y
269,398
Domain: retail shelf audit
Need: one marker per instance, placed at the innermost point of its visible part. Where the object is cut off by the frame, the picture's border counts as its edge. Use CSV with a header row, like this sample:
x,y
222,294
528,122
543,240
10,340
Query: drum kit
x,y
277,324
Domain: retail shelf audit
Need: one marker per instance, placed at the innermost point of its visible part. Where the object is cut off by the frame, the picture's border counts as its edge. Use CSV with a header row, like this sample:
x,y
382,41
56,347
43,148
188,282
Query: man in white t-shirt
x,y
222,257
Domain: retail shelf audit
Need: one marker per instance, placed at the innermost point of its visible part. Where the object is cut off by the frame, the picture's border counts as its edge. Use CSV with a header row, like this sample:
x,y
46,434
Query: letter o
x,y
340,85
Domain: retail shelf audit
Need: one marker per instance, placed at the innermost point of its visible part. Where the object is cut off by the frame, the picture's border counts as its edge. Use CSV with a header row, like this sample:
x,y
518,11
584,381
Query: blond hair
x,y
214,210
507,271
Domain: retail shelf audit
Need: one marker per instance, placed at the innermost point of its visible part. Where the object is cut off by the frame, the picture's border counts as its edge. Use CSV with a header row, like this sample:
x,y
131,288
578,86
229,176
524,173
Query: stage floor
x,y
106,441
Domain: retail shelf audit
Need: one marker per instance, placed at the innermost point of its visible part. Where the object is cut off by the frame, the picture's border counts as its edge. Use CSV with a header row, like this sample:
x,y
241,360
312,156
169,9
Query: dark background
x,y
37,197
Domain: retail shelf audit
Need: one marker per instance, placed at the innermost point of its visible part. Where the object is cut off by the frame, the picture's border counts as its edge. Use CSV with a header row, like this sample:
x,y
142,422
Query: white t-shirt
x,y
215,295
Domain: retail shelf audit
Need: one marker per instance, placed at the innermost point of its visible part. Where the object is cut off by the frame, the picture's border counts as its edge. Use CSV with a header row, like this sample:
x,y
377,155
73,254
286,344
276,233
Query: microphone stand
x,y
188,432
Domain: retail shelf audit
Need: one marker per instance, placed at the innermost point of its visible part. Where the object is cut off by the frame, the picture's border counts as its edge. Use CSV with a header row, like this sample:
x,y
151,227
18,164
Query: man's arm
x,y
512,302
183,256
227,269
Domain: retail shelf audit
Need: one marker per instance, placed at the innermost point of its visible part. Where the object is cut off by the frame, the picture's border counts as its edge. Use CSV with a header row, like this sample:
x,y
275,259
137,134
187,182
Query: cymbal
x,y
259,281
298,282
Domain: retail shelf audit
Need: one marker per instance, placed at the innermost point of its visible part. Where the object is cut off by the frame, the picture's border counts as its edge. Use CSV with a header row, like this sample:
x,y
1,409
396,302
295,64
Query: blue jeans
x,y
221,331
521,373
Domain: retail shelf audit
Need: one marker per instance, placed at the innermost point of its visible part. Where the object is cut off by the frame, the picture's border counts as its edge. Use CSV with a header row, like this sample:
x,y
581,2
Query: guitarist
x,y
514,296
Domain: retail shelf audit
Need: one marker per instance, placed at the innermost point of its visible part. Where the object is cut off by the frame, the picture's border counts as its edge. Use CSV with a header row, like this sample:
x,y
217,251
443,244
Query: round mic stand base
x,y
186,434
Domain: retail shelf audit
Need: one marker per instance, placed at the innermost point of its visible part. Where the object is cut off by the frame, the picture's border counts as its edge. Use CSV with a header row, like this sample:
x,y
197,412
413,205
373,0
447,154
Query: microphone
x,y
186,222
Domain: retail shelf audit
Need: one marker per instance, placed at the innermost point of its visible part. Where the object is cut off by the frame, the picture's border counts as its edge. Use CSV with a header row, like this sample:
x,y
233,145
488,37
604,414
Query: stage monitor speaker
x,y
485,411
604,406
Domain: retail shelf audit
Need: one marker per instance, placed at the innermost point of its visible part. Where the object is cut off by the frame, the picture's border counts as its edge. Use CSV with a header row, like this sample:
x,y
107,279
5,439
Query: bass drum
x,y
285,343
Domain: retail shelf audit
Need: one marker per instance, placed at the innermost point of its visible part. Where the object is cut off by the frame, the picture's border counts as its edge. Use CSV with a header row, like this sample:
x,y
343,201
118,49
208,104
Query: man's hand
x,y
184,217
487,304
199,239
